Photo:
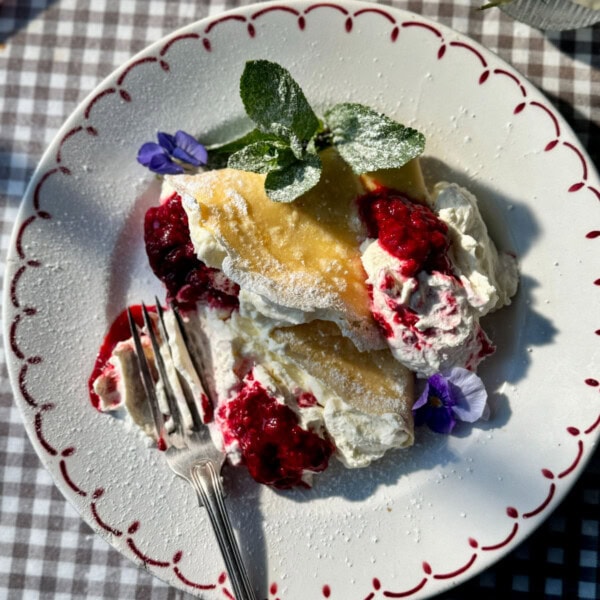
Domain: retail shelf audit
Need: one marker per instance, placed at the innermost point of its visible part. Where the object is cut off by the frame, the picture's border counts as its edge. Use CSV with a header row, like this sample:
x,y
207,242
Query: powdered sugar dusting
x,y
301,257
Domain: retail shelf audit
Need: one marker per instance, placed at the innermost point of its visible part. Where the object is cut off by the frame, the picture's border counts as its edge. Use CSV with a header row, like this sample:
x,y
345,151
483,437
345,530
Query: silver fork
x,y
190,453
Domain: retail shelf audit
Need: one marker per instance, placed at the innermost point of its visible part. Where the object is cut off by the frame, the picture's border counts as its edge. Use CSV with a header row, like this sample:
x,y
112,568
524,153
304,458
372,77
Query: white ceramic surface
x,y
420,520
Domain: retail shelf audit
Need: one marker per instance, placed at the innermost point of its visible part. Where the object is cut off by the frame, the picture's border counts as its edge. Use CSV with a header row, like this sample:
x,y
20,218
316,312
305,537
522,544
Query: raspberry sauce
x,y
119,332
173,260
275,449
408,230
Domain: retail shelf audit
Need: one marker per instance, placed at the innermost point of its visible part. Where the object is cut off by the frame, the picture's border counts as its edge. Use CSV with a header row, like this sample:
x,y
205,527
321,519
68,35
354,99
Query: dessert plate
x,y
420,520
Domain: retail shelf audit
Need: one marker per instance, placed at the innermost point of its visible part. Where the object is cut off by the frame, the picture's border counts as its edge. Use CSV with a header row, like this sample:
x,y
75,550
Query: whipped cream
x,y
432,319
490,278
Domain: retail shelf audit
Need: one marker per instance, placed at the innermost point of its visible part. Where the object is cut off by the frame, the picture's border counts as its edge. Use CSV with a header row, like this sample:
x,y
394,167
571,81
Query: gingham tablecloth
x,y
52,54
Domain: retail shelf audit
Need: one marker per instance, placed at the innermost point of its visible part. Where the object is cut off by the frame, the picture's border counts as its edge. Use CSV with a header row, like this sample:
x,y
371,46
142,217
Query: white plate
x,y
421,520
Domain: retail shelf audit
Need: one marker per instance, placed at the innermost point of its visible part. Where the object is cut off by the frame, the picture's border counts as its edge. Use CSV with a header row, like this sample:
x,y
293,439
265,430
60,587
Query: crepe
x,y
302,257
372,382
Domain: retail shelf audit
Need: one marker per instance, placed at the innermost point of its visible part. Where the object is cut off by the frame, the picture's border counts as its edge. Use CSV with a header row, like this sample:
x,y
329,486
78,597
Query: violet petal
x,y
184,157
163,165
193,149
147,152
441,419
439,386
167,141
469,393
434,406
422,399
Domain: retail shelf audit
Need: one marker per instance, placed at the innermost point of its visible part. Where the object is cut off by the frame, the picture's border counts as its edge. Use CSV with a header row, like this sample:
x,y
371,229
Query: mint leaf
x,y
368,140
287,177
261,157
283,144
294,179
276,103
219,155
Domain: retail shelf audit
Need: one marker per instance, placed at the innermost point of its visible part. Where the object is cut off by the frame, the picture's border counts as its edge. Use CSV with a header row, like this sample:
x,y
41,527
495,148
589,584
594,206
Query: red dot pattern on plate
x,y
41,205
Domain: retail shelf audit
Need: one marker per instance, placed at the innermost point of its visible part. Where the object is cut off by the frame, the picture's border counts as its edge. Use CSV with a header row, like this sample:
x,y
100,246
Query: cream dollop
x,y
432,319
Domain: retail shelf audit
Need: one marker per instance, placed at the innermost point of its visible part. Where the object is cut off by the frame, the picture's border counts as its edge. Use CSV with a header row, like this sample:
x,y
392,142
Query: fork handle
x,y
207,483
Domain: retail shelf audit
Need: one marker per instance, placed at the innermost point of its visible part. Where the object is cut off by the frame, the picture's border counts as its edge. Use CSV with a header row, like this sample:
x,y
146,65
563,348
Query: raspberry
x,y
173,260
410,231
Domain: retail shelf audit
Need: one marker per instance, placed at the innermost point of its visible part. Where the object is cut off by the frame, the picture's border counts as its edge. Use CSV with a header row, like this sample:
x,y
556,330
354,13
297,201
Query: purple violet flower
x,y
455,395
172,154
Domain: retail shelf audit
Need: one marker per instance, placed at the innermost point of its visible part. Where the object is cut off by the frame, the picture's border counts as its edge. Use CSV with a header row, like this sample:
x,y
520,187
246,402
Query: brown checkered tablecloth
x,y
52,54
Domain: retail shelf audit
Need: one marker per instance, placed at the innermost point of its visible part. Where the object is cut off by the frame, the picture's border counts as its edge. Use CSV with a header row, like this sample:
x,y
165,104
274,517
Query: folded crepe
x,y
301,257
372,382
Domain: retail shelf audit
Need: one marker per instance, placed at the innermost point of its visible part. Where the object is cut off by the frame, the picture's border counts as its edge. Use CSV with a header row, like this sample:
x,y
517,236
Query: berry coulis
x,y
275,449
188,280
411,232
408,230
173,260
119,332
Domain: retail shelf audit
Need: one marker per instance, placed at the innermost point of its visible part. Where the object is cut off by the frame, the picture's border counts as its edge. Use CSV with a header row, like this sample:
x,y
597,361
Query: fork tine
x,y
184,336
147,381
198,372
186,394
160,365
186,342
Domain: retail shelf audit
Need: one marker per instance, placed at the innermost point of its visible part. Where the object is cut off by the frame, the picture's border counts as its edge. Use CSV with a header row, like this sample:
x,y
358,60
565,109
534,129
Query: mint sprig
x,y
290,182
288,135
